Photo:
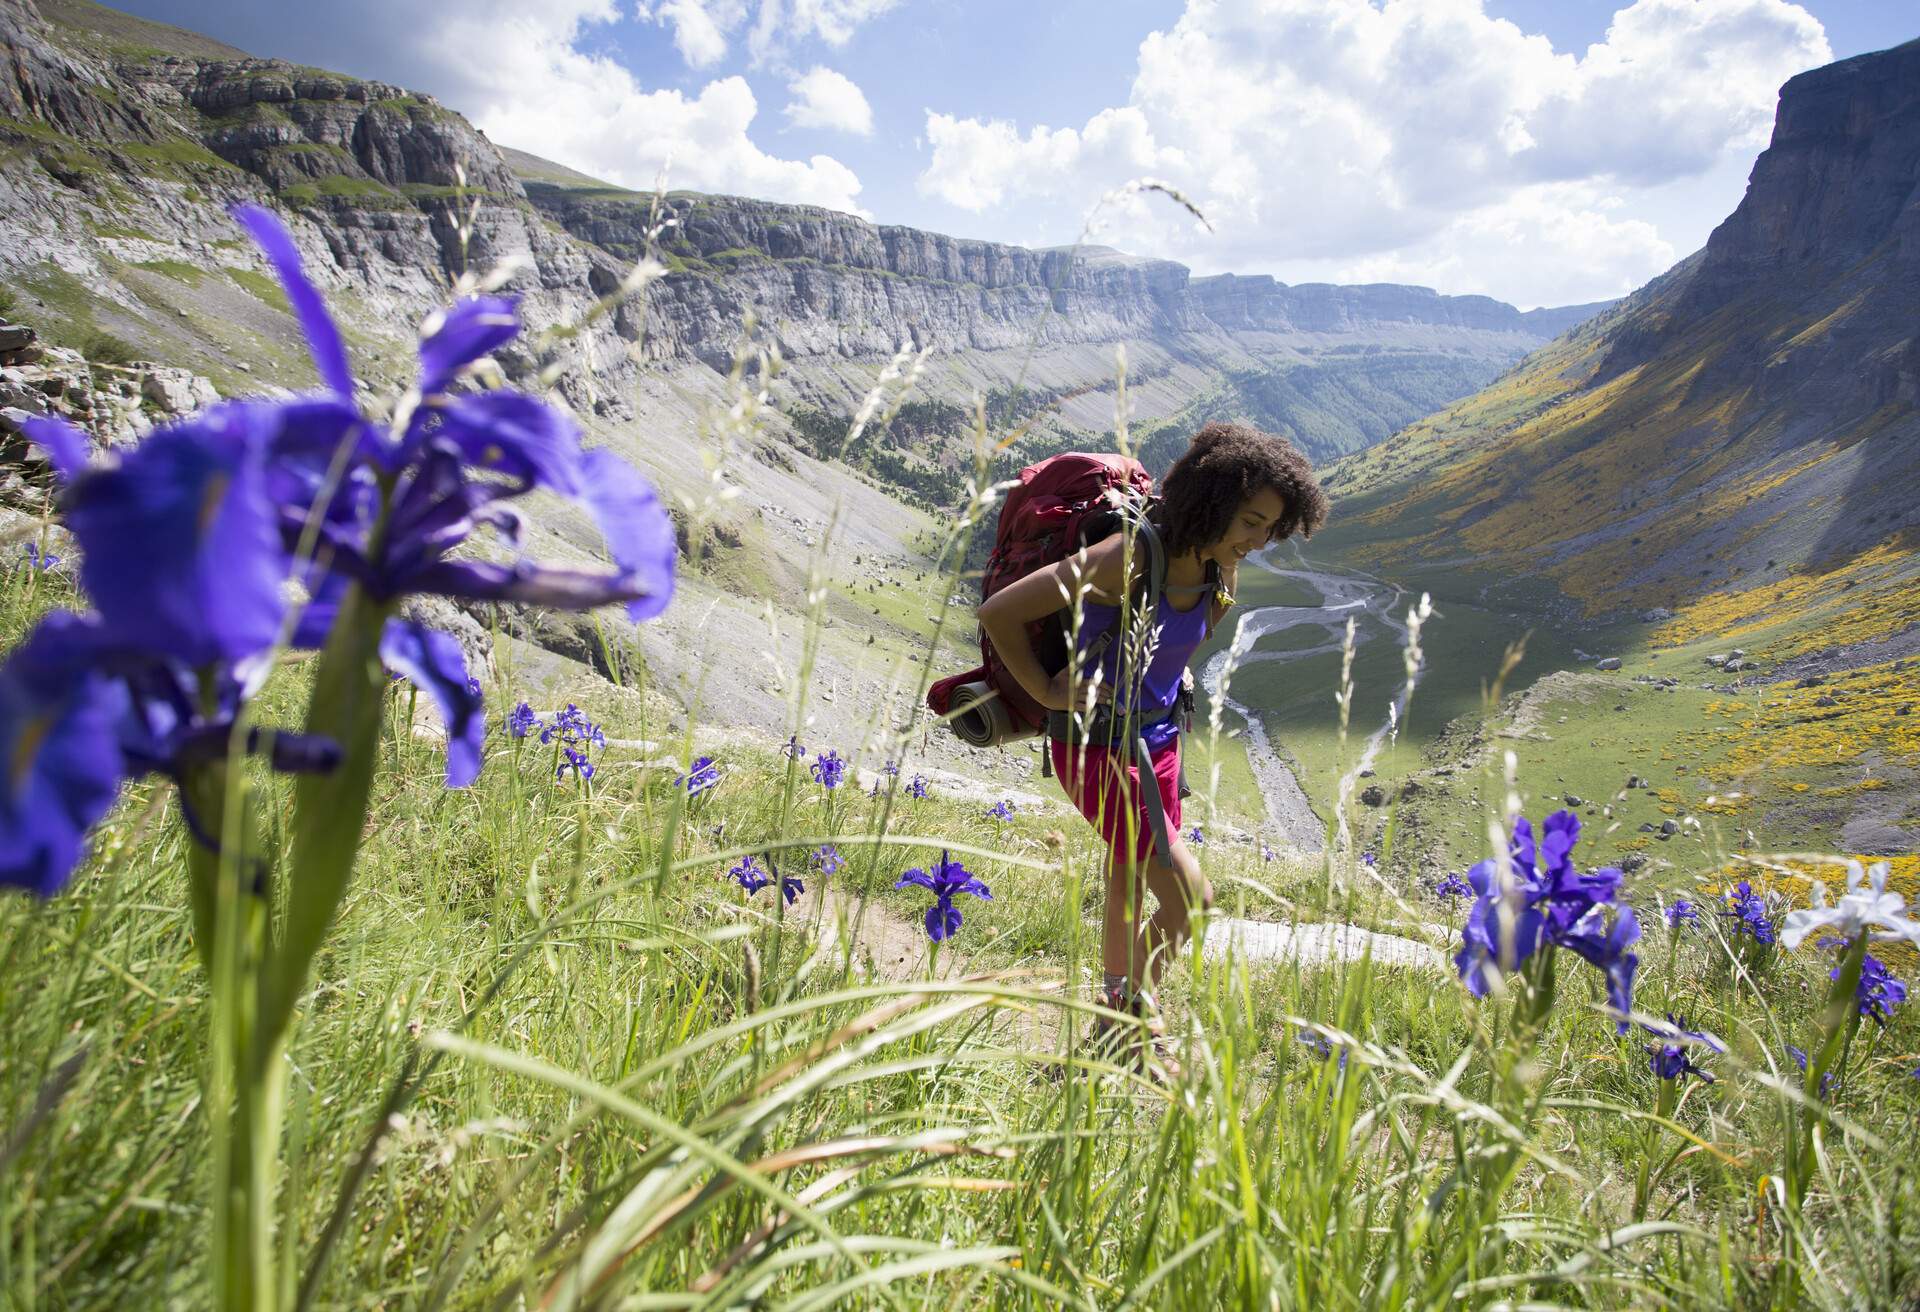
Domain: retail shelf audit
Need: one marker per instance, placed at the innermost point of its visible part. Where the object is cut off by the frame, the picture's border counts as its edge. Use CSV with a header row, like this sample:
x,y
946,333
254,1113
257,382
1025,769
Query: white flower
x,y
1865,903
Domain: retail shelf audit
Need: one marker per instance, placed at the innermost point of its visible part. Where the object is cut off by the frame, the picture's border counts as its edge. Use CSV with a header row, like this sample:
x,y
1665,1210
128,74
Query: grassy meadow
x,y
554,1056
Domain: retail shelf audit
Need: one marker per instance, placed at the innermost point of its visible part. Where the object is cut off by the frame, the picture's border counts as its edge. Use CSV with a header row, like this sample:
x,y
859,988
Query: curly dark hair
x,y
1226,464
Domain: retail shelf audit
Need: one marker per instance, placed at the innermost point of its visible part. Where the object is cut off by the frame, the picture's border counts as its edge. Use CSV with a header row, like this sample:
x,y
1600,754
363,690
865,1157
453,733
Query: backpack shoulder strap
x,y
1154,582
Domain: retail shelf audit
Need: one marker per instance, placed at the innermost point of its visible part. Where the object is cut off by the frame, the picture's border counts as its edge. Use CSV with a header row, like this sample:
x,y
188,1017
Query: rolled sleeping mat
x,y
980,717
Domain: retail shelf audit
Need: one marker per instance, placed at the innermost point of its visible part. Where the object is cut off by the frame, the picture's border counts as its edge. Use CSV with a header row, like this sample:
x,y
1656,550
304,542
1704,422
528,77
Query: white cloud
x,y
832,21
703,29
823,98
977,164
518,73
1564,242
696,32
1405,135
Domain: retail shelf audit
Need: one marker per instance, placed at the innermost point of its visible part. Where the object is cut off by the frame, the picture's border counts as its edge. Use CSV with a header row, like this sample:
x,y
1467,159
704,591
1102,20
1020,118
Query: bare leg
x,y
1139,946
1181,890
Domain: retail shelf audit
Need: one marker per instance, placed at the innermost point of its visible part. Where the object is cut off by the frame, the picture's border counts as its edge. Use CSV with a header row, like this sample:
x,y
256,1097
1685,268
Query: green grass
x,y
66,316
179,156
582,974
127,37
104,348
123,231
552,1055
340,186
259,286
177,270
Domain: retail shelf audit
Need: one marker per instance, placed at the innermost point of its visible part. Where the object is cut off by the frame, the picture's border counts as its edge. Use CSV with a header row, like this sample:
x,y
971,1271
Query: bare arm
x,y
1092,573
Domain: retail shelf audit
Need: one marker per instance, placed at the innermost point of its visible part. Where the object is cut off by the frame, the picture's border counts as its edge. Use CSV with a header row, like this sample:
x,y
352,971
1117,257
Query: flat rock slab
x,y
1318,945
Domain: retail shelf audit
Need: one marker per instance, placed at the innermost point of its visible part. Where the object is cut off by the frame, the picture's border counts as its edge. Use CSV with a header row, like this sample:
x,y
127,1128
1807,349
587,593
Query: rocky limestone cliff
x,y
1838,179
1736,442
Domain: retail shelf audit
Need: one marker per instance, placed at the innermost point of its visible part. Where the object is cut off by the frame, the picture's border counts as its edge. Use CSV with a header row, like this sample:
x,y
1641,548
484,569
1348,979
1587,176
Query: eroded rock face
x,y
1841,175
42,82
812,265
286,124
176,391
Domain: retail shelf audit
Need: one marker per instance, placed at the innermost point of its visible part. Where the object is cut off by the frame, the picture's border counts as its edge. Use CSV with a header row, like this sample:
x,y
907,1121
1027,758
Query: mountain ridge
x,y
1732,450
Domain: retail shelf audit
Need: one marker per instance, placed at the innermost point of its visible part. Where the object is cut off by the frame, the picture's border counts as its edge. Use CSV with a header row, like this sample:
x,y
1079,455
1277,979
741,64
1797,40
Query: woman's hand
x,y
1060,692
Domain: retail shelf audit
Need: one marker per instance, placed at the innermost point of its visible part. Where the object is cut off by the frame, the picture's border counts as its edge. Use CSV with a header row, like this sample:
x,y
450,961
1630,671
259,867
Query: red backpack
x,y
1062,504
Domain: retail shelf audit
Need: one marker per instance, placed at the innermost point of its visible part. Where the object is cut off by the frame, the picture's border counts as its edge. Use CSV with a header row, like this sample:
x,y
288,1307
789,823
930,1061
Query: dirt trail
x,y
897,947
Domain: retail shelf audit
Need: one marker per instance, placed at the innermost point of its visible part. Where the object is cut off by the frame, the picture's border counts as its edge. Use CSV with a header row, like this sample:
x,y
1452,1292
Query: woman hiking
x,y
1234,490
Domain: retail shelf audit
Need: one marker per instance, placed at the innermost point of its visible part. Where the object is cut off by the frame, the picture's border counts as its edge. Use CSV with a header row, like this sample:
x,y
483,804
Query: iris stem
x,y
1663,1108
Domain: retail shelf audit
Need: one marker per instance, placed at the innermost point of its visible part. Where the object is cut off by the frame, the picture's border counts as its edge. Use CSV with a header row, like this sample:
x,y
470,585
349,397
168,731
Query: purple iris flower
x,y
80,712
566,722
577,762
1748,912
407,498
1267,853
1321,1045
1453,886
917,788
827,859
1800,1060
435,663
63,762
1369,859
571,726
1554,904
752,878
748,874
181,543
190,539
1878,991
1605,945
891,769
829,769
454,338
1681,911
792,749
1001,811
522,721
704,775
38,559
1672,1060
178,719
1195,837
946,880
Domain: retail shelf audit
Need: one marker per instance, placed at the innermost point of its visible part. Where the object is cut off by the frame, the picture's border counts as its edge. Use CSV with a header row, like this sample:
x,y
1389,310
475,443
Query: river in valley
x,y
1376,608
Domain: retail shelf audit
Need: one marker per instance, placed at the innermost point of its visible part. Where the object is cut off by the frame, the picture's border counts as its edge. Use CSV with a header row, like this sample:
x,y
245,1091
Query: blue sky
x,y
1540,151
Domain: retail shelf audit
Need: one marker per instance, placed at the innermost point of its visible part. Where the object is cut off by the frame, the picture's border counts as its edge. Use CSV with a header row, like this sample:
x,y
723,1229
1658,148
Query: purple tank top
x,y
1177,634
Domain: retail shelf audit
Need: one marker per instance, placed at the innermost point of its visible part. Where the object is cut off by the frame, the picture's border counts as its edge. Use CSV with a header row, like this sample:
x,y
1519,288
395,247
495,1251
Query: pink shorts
x,y
1106,788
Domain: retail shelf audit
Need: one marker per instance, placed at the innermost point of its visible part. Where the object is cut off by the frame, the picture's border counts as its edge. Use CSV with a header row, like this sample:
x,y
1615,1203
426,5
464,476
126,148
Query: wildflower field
x,y
315,999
